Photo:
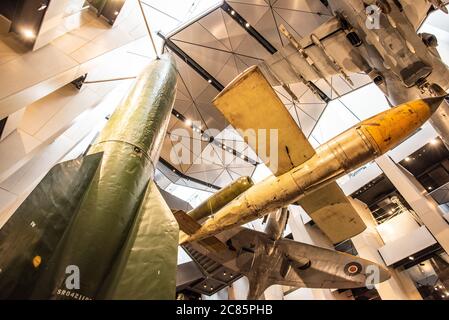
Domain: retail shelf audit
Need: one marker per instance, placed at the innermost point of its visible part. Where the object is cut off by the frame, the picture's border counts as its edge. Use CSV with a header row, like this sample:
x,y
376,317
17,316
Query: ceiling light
x,y
434,142
28,34
42,7
430,188
408,159
411,258
116,13
188,122
232,12
247,25
210,81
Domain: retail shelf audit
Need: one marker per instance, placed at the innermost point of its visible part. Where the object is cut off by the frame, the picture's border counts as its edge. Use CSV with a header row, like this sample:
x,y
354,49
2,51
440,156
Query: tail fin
x,y
30,237
186,222
189,226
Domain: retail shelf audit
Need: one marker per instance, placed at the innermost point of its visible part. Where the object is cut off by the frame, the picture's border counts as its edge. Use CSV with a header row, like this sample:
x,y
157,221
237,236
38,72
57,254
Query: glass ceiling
x,y
167,15
340,114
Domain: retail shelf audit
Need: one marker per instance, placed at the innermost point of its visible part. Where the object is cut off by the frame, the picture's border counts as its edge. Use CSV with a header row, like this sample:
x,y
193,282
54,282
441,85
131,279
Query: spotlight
x,y
411,258
210,81
116,13
408,159
188,122
434,142
429,188
247,25
28,34
42,7
232,12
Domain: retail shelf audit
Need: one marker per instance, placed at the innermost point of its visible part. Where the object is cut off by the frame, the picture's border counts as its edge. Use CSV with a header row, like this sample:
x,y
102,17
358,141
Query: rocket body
x,y
130,144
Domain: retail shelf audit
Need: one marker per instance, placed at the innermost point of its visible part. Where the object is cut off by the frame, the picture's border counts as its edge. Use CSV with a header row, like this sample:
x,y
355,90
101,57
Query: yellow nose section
x,y
388,129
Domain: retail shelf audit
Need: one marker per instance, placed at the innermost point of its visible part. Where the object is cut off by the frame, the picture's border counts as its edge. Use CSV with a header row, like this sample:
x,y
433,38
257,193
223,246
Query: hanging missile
x,y
341,155
110,224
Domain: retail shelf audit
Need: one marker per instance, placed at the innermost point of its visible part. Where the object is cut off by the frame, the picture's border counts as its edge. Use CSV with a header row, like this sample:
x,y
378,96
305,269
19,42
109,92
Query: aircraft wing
x,y
416,11
331,210
313,64
250,104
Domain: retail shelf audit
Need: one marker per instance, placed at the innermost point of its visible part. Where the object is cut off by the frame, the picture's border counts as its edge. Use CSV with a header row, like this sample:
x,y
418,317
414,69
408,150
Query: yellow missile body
x,y
341,155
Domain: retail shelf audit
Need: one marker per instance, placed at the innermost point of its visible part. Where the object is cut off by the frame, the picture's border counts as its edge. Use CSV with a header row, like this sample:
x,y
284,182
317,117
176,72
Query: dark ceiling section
x,y
8,8
109,9
382,198
28,18
215,276
2,125
430,165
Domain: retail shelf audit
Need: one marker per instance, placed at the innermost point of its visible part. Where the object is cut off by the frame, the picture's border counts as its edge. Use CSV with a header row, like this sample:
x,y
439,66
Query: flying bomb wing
x,y
250,104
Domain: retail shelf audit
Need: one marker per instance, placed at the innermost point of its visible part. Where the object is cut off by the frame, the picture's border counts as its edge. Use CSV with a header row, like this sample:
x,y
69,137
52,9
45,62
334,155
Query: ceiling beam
x,y
191,62
180,174
248,27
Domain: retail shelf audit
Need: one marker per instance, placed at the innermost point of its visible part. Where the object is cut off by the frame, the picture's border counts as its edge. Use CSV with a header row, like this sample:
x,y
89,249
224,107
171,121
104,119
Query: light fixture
x,y
116,13
411,258
408,159
188,122
28,33
247,25
434,142
210,81
232,12
429,188
42,7
224,273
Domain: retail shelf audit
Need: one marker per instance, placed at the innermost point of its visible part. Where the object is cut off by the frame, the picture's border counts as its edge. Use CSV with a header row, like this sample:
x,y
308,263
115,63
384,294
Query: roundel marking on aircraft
x,y
353,268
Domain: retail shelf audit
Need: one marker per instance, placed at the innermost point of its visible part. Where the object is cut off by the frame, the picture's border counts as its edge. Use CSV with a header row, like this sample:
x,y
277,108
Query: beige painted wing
x,y
331,210
250,104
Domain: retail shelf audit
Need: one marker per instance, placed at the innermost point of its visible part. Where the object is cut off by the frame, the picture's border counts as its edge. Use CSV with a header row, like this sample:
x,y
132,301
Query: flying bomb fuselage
x,y
341,155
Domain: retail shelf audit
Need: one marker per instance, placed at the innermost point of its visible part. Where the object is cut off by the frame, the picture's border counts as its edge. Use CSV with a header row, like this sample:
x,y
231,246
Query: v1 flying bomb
x,y
305,176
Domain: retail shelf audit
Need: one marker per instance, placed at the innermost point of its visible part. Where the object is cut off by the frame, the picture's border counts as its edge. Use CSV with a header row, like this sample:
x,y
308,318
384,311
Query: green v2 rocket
x,y
97,227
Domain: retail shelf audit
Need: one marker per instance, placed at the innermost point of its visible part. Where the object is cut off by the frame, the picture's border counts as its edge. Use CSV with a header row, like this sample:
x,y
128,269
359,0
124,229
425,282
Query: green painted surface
x,y
146,267
107,214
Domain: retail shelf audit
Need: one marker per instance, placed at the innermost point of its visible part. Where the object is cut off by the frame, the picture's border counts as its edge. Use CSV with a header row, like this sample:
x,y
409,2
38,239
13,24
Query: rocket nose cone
x,y
435,102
